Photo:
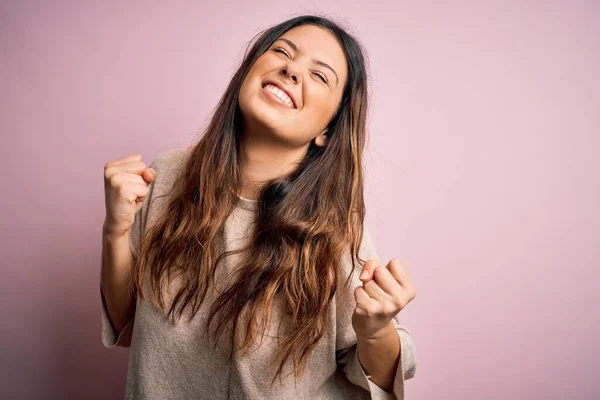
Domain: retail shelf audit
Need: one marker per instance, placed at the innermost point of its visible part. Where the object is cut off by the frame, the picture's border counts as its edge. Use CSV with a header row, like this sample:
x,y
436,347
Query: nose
x,y
291,73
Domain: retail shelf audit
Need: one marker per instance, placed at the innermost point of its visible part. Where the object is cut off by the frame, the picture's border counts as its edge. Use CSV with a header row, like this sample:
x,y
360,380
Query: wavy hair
x,y
306,220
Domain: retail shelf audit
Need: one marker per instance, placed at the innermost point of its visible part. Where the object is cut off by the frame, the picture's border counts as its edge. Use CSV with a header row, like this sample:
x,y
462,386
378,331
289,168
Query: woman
x,y
239,278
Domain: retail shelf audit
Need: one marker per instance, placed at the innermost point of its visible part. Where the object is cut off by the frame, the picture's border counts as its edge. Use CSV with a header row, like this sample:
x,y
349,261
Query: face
x,y
293,90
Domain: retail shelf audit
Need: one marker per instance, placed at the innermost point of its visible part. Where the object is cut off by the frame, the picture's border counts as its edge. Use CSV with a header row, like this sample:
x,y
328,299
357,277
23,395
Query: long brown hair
x,y
306,221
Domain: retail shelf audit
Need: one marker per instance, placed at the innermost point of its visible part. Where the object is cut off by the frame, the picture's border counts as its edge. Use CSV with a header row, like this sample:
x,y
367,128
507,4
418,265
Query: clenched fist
x,y
126,182
385,291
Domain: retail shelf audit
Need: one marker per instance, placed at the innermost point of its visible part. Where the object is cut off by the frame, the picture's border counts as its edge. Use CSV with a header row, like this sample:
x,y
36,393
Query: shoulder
x,y
168,166
367,249
170,159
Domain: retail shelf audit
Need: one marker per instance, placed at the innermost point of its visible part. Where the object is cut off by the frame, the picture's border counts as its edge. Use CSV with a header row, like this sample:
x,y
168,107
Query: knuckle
x,y
120,189
370,310
390,308
398,303
112,180
107,171
378,309
396,262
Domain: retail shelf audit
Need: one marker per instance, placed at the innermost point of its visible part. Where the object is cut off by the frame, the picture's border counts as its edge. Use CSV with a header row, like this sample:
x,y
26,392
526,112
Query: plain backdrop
x,y
483,175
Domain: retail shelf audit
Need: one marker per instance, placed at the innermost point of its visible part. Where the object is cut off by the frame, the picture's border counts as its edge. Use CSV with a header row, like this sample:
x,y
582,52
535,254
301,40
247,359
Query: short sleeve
x,y
346,341
109,338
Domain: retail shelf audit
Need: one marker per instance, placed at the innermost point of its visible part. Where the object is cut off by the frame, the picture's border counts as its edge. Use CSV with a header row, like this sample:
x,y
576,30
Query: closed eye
x,y
322,78
282,51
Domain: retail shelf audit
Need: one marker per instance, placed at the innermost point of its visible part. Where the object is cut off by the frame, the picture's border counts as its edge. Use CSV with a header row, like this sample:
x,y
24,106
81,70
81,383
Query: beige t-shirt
x,y
173,361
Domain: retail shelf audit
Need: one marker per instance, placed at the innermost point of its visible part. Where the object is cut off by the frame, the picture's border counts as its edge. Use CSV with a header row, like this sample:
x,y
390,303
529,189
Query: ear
x,y
320,140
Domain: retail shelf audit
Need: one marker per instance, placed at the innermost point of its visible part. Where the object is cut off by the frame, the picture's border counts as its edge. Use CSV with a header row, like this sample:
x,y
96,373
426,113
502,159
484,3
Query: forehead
x,y
318,43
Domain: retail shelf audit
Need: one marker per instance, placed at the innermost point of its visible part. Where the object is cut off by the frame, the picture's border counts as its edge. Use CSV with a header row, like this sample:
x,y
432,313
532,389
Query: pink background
x,y
483,176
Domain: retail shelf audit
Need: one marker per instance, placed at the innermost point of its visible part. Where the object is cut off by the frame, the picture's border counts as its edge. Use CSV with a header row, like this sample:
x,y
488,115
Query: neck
x,y
264,157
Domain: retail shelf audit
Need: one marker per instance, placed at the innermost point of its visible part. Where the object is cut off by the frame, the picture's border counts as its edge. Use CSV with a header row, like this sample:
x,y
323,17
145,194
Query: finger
x,y
400,273
134,167
137,192
149,175
138,206
363,300
375,291
126,159
130,178
367,270
386,281
141,191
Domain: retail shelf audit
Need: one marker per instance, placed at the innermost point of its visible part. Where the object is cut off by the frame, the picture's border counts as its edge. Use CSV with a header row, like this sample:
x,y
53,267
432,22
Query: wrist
x,y
382,333
111,234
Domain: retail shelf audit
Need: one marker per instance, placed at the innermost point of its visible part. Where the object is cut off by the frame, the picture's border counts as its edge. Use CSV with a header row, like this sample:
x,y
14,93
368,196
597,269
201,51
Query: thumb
x,y
367,271
138,206
149,174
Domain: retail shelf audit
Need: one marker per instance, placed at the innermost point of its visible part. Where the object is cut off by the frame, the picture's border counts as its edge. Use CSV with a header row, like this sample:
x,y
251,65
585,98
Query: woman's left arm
x,y
386,290
379,356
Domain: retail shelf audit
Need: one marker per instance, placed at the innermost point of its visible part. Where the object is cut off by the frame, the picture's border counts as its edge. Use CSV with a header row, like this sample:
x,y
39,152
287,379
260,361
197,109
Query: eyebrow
x,y
318,62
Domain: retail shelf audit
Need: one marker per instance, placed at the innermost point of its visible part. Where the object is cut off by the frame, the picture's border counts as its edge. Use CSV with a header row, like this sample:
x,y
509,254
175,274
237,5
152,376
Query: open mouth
x,y
278,96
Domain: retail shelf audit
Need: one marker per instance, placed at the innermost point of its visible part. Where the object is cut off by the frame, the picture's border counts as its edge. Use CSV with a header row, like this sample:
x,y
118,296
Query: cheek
x,y
251,85
261,66
321,104
249,88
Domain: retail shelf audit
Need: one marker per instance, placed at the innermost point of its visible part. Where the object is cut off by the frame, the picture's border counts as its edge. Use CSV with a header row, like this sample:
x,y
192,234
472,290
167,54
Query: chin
x,y
263,114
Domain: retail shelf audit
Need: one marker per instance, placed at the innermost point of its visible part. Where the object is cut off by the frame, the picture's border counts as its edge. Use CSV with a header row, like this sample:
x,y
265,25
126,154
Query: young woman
x,y
233,268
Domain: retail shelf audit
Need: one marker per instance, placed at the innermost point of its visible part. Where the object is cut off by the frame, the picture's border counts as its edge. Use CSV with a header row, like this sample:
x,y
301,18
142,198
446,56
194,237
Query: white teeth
x,y
280,94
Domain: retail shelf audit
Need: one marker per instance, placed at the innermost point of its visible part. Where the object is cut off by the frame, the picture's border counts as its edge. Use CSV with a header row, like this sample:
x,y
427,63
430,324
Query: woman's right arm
x,y
117,261
126,182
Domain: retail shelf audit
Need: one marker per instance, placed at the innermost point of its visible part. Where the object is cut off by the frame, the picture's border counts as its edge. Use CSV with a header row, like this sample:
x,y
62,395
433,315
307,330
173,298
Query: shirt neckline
x,y
247,204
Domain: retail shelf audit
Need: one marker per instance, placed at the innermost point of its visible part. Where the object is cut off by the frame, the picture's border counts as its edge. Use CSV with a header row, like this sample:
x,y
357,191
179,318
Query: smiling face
x,y
293,90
